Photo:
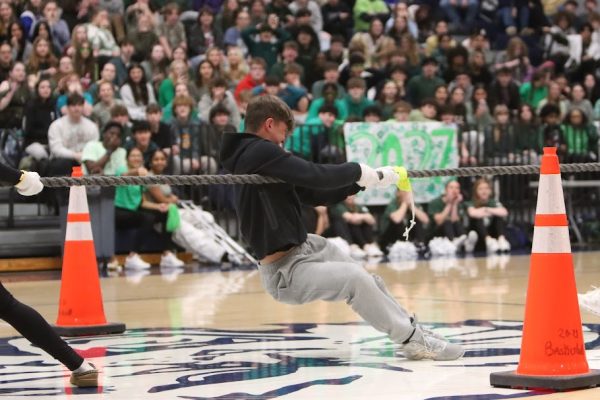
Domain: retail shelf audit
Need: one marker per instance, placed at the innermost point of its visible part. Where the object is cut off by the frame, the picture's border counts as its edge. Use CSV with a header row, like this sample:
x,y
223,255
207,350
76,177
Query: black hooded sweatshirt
x,y
9,175
270,214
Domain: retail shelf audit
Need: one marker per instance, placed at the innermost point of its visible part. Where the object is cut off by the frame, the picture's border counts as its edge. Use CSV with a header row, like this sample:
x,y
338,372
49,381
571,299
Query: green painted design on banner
x,y
426,155
416,146
391,144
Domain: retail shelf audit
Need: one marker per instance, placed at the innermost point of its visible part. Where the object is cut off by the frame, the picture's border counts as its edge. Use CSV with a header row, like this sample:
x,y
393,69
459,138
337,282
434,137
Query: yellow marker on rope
x,y
404,185
403,181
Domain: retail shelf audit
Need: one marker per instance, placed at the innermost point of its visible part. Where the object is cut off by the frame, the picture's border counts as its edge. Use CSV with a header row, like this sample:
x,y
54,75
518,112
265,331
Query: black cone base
x,y
90,330
562,382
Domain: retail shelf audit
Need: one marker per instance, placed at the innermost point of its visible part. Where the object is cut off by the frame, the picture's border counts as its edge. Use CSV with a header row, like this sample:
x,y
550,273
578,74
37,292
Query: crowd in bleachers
x,y
85,82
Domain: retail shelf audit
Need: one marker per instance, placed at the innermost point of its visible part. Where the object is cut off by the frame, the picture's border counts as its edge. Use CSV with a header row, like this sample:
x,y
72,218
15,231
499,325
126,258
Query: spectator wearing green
x,y
331,97
423,86
447,213
535,91
367,10
580,137
396,218
355,100
129,208
178,72
181,89
528,134
265,47
354,223
487,218
316,134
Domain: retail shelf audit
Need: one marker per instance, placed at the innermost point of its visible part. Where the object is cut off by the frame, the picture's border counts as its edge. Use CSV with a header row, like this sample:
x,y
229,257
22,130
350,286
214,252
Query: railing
x,y
326,145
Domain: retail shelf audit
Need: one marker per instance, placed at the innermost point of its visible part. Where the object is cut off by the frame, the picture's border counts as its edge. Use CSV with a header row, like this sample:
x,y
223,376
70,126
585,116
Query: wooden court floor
x,y
207,334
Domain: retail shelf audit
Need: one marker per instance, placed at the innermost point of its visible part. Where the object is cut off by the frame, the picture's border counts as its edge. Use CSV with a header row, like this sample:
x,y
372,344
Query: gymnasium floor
x,y
207,334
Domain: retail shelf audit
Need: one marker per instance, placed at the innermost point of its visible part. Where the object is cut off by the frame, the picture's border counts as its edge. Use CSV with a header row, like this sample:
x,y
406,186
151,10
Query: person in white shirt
x,y
68,135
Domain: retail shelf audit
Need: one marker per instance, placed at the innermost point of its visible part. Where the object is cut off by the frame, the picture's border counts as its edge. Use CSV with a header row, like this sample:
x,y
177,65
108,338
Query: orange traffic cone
x,y
552,348
80,309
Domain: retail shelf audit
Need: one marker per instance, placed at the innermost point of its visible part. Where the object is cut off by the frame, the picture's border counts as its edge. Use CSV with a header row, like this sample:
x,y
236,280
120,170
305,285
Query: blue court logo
x,y
297,360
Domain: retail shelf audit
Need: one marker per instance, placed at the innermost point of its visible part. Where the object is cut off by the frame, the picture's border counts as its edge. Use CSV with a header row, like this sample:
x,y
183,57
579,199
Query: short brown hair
x,y
170,8
356,83
102,83
118,110
153,108
290,44
263,107
330,66
292,68
182,101
501,109
258,61
402,106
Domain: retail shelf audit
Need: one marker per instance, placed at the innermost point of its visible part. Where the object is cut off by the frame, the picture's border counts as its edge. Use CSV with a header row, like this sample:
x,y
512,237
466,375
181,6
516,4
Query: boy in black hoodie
x,y
296,267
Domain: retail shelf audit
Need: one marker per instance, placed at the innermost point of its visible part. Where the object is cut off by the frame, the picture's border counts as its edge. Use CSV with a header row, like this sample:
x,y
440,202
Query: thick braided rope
x,y
101,180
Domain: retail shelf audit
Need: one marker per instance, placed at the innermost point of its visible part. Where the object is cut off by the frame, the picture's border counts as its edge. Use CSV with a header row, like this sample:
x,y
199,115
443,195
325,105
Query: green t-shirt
x,y
392,207
340,208
357,109
339,104
94,150
419,88
166,92
370,7
578,139
491,203
437,205
300,141
128,197
531,95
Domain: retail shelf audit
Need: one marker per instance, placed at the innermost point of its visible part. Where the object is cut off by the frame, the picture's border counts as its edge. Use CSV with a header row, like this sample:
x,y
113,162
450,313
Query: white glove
x,y
30,184
368,177
388,176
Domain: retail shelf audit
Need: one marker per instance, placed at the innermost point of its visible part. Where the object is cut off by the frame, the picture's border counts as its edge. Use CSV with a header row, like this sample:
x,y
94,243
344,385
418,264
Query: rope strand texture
x,y
178,180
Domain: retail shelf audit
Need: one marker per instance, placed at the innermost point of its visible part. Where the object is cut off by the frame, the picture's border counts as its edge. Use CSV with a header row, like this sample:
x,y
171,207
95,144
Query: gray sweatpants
x,y
318,270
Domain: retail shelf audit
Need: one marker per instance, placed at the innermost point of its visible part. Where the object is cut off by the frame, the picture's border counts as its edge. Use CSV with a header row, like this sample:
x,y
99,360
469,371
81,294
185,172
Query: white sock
x,y
84,367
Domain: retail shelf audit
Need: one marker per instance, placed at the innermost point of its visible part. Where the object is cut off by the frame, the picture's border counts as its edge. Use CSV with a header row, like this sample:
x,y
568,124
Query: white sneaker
x,y
135,262
425,344
503,244
491,245
169,260
459,241
356,252
113,265
590,301
373,250
471,241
